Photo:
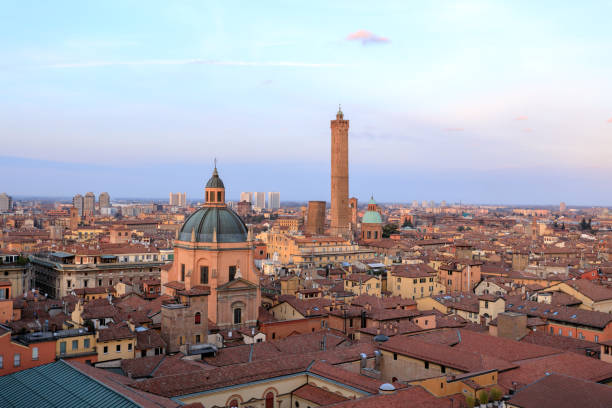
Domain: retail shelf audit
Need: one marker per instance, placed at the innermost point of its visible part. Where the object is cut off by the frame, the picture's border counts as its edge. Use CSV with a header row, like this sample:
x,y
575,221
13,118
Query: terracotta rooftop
x,y
347,377
413,397
567,363
561,391
188,383
413,271
115,332
317,395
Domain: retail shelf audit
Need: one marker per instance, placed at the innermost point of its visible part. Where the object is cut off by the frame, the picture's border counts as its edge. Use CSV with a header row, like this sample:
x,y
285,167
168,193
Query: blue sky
x,y
479,101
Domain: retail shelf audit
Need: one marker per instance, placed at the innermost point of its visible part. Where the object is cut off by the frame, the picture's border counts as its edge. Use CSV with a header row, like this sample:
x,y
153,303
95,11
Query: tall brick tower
x,y
340,211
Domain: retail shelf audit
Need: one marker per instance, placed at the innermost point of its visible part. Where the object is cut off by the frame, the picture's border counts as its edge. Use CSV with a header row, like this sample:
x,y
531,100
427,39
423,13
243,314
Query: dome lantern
x,y
215,190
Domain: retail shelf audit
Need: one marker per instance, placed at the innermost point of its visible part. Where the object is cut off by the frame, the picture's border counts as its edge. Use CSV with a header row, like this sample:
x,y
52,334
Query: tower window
x,y
218,196
182,272
198,318
232,272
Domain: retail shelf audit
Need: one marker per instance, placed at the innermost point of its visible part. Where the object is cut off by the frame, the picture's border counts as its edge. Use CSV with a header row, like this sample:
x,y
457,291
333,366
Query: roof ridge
x,y
158,364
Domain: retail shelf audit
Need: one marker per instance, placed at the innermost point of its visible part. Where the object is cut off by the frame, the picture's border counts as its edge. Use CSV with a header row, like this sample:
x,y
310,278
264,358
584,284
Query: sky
x,y
473,101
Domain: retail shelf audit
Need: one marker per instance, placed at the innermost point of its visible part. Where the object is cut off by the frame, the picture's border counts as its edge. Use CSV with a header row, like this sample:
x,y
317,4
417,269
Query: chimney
x,y
363,362
377,359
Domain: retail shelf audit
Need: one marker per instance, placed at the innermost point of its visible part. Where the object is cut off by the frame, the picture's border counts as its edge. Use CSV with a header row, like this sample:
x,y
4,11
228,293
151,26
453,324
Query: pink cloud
x,y
521,118
367,37
527,130
610,120
454,129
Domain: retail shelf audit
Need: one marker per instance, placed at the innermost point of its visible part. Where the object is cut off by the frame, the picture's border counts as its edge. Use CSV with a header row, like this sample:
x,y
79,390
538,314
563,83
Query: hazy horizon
x,y
474,101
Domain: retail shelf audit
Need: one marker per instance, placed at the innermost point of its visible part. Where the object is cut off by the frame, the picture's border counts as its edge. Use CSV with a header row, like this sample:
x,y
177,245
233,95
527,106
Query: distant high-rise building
x,y
246,196
77,202
273,200
89,203
104,200
178,199
6,202
340,211
259,200
432,204
562,207
424,204
415,204
443,203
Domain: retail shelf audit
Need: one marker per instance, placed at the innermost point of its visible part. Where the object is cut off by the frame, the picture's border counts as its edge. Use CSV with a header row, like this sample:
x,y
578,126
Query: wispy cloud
x,y
521,118
92,64
366,37
527,130
454,129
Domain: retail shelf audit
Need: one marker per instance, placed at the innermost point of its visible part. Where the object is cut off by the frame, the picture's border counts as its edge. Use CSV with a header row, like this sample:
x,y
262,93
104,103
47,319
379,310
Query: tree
x,y
495,395
583,224
470,401
388,230
460,228
407,223
483,397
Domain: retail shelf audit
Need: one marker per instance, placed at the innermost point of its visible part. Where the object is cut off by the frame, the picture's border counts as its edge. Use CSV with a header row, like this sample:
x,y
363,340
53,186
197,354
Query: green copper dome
x,y
208,220
371,217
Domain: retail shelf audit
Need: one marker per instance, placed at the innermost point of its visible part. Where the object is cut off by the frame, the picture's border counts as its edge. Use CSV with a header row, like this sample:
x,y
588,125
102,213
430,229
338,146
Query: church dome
x,y
372,216
228,225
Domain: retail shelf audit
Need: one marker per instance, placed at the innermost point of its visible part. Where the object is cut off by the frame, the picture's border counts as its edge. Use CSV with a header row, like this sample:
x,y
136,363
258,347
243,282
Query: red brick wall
x,y
282,329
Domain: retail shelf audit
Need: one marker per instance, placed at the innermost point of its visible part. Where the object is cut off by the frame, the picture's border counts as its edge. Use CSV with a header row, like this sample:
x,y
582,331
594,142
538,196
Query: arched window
x,y
237,309
369,234
198,318
269,400
233,403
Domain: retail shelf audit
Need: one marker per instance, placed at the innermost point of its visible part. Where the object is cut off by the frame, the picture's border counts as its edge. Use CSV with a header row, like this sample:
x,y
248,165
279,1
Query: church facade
x,y
214,249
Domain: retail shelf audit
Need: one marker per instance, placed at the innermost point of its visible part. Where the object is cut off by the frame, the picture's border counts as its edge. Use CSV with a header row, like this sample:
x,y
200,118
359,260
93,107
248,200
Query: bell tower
x,y
340,211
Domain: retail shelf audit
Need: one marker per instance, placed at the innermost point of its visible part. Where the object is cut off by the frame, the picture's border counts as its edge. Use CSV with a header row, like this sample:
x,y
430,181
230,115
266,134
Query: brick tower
x,y
340,211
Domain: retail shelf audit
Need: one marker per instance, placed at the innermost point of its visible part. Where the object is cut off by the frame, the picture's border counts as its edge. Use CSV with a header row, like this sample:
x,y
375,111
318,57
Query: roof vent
x,y
386,388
